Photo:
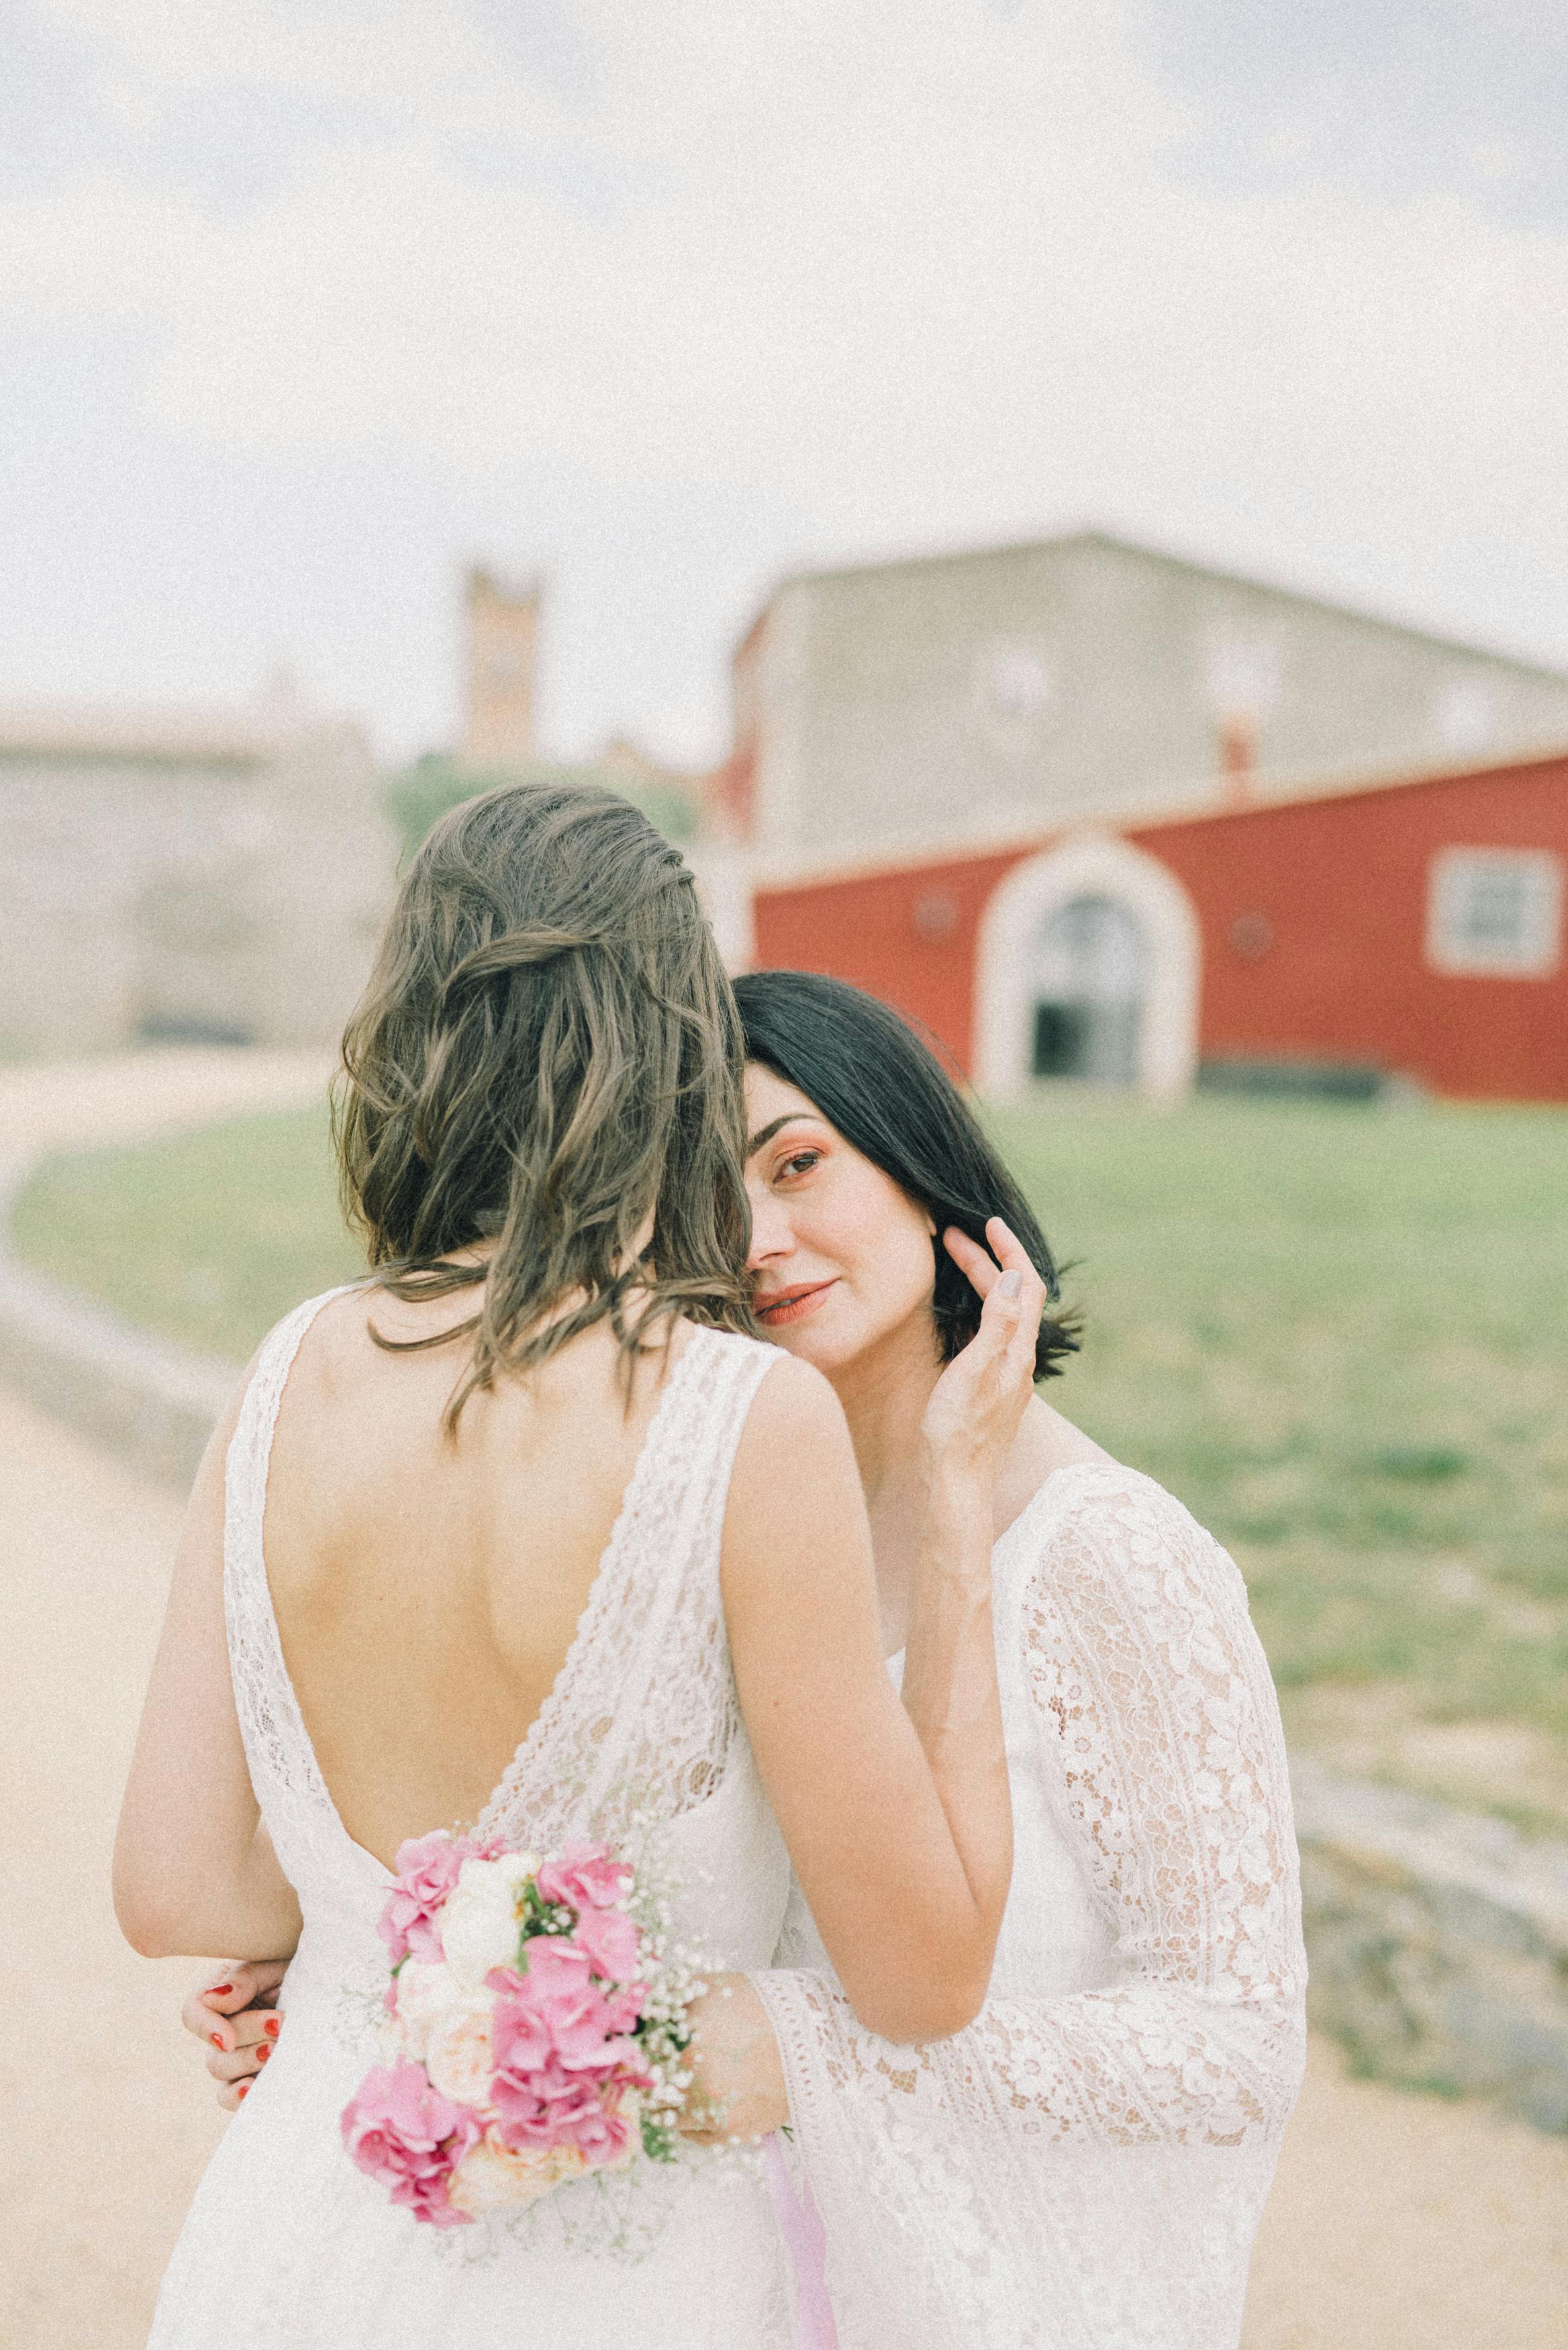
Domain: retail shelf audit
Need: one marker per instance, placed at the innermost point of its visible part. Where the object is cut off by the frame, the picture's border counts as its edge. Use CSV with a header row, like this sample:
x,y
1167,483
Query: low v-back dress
x,y
287,2246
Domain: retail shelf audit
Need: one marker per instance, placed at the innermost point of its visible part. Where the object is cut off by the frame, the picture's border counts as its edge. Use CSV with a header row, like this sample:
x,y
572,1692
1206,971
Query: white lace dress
x,y
287,2243
1084,2169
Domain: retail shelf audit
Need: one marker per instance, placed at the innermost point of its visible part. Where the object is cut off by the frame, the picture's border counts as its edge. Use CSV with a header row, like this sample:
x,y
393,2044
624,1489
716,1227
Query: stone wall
x,y
173,877
1438,1942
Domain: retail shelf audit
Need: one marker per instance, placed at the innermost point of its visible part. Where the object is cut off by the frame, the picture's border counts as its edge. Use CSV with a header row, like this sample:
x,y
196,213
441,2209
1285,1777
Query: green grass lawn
x,y
209,1237
1340,1334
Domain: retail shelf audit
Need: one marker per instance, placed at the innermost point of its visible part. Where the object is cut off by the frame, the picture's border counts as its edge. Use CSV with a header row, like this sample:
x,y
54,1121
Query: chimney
x,y
1241,676
503,633
1235,762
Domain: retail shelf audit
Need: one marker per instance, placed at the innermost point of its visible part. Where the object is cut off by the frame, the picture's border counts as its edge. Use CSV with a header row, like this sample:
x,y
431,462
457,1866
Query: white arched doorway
x,y
1089,959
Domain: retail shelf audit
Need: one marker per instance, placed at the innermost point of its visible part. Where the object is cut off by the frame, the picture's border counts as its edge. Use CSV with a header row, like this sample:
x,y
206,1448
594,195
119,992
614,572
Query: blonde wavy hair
x,y
547,1064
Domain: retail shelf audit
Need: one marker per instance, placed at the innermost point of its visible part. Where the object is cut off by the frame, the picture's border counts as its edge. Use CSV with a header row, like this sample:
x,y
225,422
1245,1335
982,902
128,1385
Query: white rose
x,y
479,1923
490,2178
459,2056
424,1994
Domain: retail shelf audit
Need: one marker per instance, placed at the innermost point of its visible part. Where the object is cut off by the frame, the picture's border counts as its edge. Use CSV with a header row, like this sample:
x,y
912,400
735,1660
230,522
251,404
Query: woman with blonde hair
x,y
514,1532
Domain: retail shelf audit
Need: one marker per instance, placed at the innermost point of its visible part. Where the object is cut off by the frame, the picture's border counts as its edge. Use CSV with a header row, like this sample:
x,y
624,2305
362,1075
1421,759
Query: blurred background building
x,y
920,704
190,874
498,742
1082,809
1089,811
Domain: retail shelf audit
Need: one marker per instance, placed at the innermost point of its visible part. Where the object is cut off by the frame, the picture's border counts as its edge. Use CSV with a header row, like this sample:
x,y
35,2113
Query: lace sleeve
x,y
1154,1703
1154,1723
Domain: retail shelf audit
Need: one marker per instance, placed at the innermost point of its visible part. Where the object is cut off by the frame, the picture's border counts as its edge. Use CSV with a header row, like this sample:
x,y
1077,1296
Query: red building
x,y
1412,927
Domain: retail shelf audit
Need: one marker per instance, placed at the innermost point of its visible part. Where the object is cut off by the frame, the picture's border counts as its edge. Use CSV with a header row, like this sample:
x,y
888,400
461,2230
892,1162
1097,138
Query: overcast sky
x,y
306,303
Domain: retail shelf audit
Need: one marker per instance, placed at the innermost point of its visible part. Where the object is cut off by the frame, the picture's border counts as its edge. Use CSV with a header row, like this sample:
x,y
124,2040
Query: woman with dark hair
x,y
888,1096
1084,2165
536,1480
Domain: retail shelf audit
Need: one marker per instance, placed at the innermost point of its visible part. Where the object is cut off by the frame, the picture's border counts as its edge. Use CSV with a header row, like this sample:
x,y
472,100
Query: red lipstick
x,y
777,1307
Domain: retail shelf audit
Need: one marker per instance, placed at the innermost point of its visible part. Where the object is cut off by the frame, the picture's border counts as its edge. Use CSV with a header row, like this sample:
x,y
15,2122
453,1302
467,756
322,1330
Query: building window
x,y
1495,911
1013,693
1251,936
936,915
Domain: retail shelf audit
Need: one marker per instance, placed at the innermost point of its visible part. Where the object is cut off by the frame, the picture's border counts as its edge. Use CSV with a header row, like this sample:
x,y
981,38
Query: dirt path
x,y
61,1105
1398,2223
104,2138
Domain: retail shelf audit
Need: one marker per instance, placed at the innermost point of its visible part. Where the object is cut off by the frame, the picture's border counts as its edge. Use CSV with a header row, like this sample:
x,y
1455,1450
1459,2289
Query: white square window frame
x,y
1536,957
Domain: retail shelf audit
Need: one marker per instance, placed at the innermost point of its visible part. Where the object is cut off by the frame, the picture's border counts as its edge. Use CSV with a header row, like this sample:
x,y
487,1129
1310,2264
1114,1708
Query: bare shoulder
x,y
794,1462
1058,1443
1045,1442
794,1405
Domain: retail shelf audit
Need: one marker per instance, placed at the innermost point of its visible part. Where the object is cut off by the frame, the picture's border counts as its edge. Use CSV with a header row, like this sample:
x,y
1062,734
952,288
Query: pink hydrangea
x,y
428,1868
562,2057
555,2010
400,2132
585,1876
571,2109
611,1941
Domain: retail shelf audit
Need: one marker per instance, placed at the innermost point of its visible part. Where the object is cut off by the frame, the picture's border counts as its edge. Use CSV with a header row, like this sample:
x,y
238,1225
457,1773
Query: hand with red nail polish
x,y
242,2002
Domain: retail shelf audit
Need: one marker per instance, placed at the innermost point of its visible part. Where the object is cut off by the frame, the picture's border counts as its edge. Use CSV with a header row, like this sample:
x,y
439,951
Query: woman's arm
x,y
1154,1715
194,1870
1151,1703
898,1821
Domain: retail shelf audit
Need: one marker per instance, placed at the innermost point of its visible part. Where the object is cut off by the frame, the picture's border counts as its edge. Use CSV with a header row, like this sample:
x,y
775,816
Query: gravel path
x,y
1397,2223
64,1105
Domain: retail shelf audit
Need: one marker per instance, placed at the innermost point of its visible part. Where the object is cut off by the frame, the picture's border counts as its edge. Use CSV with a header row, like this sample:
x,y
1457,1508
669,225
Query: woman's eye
x,y
799,1162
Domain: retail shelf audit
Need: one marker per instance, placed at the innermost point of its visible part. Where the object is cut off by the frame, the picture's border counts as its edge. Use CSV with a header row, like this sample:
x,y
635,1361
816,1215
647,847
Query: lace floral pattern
x,y
300,1815
645,1701
1103,2151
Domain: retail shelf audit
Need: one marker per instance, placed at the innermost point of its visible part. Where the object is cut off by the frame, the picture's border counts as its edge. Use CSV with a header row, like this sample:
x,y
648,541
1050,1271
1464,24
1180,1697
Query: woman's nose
x,y
771,1236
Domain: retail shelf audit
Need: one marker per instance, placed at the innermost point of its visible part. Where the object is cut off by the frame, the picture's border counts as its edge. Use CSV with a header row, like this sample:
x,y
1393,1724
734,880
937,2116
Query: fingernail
x,y
217,2039
264,2050
243,2090
217,1990
1011,1285
273,2026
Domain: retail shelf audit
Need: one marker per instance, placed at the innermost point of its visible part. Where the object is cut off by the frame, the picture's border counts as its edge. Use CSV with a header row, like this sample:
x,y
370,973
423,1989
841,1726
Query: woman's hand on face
x,y
236,2018
738,2083
976,1405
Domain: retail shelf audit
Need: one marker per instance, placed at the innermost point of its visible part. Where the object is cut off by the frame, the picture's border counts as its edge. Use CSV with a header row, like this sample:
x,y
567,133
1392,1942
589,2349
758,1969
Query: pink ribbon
x,y
800,2224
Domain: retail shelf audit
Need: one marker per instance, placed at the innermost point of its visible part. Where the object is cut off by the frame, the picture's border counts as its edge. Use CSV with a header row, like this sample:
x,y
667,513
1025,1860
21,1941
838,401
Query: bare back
x,y
427,1588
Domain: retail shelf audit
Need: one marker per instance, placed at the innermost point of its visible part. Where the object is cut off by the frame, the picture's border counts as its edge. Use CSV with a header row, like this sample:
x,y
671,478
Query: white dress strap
x,y
300,1815
642,1717
676,1714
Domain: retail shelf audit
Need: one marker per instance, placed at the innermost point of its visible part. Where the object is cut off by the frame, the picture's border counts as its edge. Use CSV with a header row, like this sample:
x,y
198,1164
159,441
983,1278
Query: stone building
x,y
949,701
185,874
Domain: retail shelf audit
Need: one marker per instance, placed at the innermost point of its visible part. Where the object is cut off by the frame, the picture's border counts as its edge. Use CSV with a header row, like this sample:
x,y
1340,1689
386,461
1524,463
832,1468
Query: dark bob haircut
x,y
888,1094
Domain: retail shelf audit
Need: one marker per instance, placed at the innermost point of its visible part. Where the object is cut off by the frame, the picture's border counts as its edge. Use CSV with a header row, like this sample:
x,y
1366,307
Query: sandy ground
x,y
1398,2223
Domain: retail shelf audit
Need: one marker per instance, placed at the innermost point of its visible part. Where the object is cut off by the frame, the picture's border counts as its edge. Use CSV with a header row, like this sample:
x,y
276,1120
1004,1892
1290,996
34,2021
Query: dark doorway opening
x,y
1089,976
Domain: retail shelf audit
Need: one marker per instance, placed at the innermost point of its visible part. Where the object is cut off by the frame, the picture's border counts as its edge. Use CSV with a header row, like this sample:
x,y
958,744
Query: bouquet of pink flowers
x,y
538,2029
